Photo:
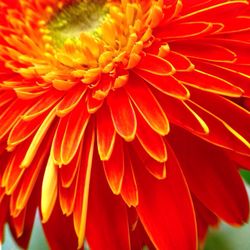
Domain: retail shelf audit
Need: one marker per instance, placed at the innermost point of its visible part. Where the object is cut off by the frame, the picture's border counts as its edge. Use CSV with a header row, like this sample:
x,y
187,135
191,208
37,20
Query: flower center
x,y
73,19
82,42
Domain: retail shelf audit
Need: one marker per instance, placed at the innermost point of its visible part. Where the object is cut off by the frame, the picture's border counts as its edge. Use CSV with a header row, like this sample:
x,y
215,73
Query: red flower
x,y
123,121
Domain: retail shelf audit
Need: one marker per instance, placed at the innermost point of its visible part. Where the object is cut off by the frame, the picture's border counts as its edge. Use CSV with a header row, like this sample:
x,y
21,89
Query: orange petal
x,y
43,104
10,115
67,195
122,114
114,167
147,105
70,100
152,142
156,168
129,191
93,104
71,133
31,174
105,133
23,130
13,172
68,172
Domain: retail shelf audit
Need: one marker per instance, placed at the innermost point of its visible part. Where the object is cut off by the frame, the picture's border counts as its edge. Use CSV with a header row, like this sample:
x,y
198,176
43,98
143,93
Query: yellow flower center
x,y
83,41
81,16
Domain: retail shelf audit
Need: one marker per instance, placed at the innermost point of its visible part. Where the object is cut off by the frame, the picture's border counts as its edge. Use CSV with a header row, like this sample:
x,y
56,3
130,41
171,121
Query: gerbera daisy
x,y
125,122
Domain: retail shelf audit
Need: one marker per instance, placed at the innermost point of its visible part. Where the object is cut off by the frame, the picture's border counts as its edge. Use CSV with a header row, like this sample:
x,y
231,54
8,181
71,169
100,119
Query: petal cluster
x,y
125,122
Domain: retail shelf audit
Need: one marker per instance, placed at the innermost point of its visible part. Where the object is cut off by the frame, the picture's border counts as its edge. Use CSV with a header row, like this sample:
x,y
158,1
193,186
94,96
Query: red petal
x,y
67,195
38,138
107,228
70,100
123,114
204,51
24,224
68,172
216,12
147,105
57,236
232,76
166,84
212,177
69,134
243,161
172,9
114,167
93,104
6,97
238,24
129,191
205,219
184,30
155,65
218,106
156,168
166,210
4,207
31,174
10,115
43,104
18,223
24,129
240,47
139,238
152,142
210,83
13,172
182,115
82,195
105,133
219,134
179,61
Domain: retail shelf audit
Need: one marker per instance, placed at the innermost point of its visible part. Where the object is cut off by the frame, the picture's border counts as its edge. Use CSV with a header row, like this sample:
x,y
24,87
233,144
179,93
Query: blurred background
x,y
222,238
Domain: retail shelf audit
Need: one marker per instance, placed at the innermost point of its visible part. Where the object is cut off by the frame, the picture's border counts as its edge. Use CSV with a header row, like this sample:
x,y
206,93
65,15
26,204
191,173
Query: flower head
x,y
125,122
